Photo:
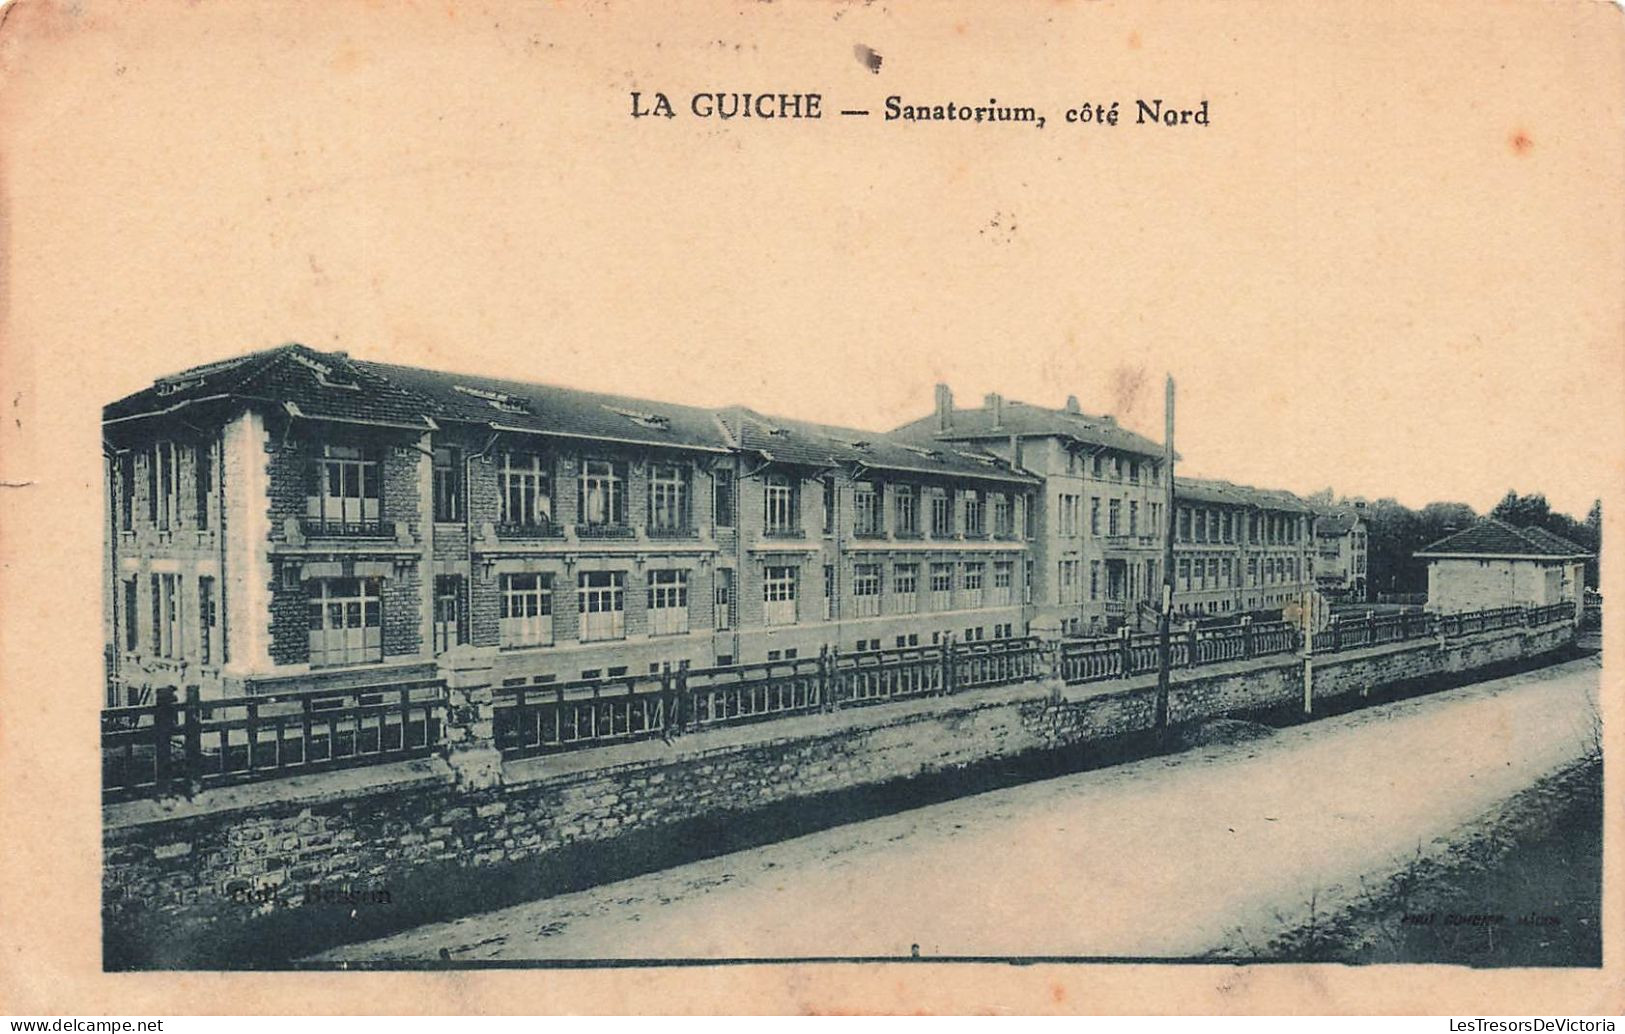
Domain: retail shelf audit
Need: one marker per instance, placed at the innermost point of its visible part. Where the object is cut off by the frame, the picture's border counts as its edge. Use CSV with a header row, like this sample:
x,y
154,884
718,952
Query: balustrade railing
x,y
155,748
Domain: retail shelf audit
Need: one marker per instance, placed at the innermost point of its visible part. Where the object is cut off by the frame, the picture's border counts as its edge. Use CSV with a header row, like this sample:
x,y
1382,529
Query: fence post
x,y
668,705
948,664
682,706
1126,650
826,692
1370,628
1190,644
163,729
470,746
194,740
1247,636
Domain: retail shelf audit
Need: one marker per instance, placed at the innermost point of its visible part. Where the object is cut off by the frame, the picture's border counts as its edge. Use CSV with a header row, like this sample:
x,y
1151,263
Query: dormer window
x,y
499,400
324,373
653,421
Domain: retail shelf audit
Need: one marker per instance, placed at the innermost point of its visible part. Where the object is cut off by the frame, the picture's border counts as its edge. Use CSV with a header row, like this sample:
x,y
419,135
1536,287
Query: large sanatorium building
x,y
300,515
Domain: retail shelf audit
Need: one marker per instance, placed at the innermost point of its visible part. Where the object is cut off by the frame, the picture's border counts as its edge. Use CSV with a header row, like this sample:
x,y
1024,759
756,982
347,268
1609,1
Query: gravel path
x,y
1163,857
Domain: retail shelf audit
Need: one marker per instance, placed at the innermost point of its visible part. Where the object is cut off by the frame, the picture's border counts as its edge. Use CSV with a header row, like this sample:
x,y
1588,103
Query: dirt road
x,y
1164,857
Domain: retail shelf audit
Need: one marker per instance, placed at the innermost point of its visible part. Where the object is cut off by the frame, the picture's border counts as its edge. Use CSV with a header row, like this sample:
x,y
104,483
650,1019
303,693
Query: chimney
x,y
995,406
945,408
1072,404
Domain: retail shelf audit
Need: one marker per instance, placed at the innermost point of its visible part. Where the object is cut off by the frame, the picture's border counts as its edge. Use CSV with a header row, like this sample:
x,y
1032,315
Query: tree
x,y
1523,511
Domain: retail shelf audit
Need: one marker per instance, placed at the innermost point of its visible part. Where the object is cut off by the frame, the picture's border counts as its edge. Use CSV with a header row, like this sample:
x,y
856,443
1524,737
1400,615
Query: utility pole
x,y
1166,617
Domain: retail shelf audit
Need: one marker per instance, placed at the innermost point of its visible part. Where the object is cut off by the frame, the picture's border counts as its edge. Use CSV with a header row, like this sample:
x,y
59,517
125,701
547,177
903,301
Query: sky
x,y
1389,265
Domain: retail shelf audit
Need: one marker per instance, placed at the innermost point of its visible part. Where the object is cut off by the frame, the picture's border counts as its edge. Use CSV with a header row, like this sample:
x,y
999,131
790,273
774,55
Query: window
x,y
1094,579
448,484
524,484
829,505
779,595
126,491
163,485
1004,572
906,587
346,621
1213,525
1213,572
1028,567
1099,466
1133,517
942,586
1114,517
1185,575
166,615
829,592
866,590
132,624
908,512
725,599
1067,587
343,492
1094,515
779,502
973,584
205,619
601,603
668,602
202,476
603,494
449,627
1184,524
942,514
668,497
1003,522
722,497
973,514
1134,471
157,599
866,510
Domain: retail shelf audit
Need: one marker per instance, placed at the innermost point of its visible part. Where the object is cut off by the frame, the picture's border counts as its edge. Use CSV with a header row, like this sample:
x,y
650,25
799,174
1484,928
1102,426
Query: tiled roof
x,y
333,386
545,409
1491,537
315,384
1335,522
1203,490
1020,418
802,442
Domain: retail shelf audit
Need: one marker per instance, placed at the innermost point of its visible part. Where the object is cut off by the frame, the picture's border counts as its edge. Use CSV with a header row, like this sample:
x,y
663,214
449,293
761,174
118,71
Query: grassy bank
x,y
1519,887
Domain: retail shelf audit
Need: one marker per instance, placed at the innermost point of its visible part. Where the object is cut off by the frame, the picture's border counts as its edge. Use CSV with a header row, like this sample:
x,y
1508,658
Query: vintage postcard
x,y
809,506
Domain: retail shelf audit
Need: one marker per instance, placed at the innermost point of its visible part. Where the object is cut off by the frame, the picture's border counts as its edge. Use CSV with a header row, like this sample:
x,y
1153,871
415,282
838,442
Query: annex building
x,y
1493,564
